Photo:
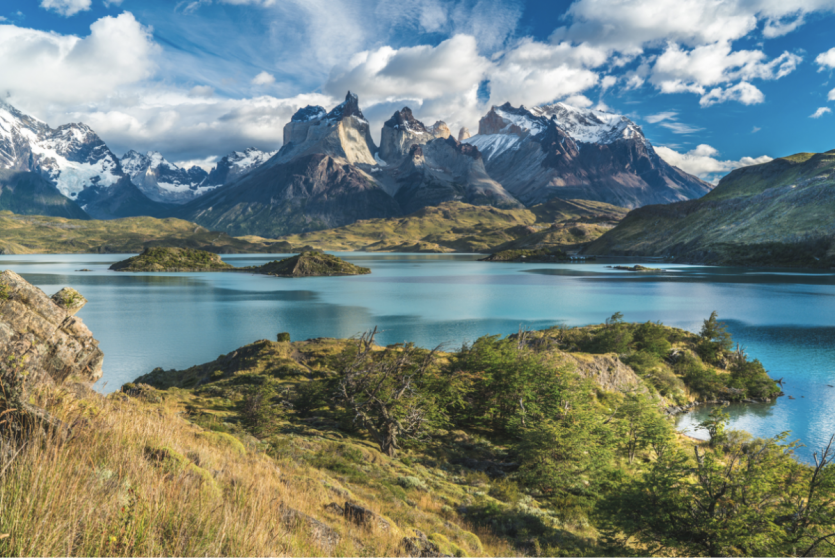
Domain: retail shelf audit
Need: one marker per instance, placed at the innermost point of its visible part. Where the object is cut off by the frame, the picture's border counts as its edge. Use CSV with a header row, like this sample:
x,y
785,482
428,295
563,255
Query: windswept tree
x,y
715,340
386,391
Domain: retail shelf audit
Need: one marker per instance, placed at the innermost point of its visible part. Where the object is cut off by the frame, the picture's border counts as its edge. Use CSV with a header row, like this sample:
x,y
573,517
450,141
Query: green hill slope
x,y
459,227
39,234
28,193
780,213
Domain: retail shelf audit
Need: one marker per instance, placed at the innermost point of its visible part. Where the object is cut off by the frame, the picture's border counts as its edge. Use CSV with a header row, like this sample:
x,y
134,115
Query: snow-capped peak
x,y
591,126
71,156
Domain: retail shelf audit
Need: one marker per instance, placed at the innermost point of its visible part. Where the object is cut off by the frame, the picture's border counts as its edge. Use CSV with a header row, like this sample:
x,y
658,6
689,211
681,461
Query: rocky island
x,y
523,255
636,268
308,264
172,259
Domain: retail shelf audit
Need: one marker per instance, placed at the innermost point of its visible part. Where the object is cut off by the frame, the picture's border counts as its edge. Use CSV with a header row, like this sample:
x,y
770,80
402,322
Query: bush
x,y
411,482
505,490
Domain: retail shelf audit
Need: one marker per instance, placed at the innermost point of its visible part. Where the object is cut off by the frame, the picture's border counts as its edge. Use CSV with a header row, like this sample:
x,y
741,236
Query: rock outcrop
x,y
41,342
464,134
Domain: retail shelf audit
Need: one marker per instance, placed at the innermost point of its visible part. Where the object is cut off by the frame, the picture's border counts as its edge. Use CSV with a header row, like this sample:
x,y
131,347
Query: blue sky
x,y
714,84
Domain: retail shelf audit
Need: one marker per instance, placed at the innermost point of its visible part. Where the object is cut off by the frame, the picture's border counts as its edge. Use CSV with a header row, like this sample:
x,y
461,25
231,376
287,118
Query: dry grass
x,y
136,479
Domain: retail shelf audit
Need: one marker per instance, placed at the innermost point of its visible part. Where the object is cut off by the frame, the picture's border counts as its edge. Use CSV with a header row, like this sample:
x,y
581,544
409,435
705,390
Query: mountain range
x,y
329,172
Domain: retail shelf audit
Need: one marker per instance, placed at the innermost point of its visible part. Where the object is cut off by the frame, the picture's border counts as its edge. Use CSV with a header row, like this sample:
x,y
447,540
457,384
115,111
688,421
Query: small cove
x,y
175,320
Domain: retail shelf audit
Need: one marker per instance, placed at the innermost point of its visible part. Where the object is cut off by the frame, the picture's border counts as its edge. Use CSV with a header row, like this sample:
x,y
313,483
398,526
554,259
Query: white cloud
x,y
743,92
826,60
66,8
681,128
703,162
755,129
820,112
678,70
831,96
658,117
185,128
201,91
3,18
608,82
42,68
264,78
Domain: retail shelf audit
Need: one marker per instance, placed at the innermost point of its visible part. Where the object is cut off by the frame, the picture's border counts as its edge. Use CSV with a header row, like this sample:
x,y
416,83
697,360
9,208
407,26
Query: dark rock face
x,y
310,112
42,335
309,193
444,170
28,193
122,199
403,131
350,107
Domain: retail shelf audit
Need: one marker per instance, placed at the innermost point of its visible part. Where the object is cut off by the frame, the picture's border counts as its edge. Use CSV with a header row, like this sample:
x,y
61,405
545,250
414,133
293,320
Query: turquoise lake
x,y
175,320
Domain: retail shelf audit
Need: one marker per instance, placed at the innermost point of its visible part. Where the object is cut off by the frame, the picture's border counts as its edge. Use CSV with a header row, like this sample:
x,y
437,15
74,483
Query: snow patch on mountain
x,y
591,126
491,145
71,156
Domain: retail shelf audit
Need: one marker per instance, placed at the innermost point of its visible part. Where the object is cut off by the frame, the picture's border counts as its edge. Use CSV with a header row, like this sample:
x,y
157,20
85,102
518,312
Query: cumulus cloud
x,y
186,128
678,70
42,68
820,112
264,78
831,96
743,92
703,162
826,60
66,8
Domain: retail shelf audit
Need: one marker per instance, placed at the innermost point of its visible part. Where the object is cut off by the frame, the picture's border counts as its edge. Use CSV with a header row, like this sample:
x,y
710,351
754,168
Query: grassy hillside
x,y
459,227
39,234
547,443
774,214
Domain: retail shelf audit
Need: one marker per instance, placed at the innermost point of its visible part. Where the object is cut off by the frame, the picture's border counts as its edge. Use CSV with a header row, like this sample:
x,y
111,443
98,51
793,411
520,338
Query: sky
x,y
714,84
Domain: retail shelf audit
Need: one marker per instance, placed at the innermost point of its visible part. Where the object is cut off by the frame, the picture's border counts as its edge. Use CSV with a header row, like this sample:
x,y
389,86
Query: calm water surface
x,y
175,320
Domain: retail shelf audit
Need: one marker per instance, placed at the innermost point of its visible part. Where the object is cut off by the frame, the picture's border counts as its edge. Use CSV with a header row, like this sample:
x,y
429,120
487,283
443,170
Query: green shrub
x,y
505,490
411,482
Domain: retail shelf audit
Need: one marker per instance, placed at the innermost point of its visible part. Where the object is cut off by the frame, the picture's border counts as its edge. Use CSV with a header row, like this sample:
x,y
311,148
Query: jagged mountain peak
x,y
405,119
591,126
350,107
308,113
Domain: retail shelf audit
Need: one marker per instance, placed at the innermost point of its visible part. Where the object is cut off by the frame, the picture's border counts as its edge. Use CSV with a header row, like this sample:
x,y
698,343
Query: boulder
x,y
41,335
324,536
364,517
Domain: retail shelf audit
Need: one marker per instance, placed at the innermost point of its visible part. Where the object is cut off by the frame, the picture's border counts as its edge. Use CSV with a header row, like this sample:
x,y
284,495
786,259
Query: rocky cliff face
x,y
40,335
402,131
445,170
570,153
342,133
311,192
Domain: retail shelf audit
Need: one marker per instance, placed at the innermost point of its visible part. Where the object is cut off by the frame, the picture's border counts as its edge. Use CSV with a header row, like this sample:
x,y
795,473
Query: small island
x,y
636,268
527,255
172,259
308,264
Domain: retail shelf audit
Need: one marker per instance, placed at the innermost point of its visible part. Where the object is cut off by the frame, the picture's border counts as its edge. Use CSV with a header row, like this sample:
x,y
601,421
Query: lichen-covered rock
x,y
44,338
70,300
324,536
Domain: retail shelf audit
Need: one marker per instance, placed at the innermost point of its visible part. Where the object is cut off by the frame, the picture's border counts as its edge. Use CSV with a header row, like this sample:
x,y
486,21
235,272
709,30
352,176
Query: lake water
x,y
175,320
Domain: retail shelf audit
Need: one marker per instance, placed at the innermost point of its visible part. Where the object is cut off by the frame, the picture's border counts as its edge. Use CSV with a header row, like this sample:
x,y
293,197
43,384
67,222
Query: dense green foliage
x,y
549,459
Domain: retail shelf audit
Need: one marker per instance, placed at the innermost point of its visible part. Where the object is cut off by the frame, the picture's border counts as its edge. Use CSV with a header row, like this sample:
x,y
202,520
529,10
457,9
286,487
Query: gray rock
x,y
323,535
70,300
54,346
